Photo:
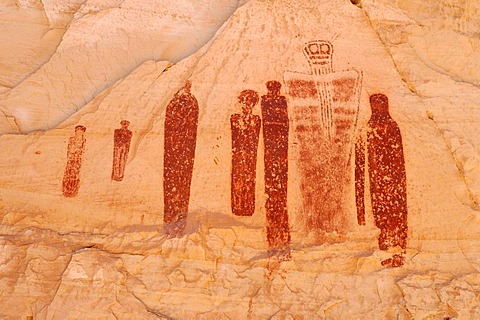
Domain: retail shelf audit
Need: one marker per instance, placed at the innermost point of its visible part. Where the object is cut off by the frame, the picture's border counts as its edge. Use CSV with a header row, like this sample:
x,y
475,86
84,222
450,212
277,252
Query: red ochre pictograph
x,y
75,149
181,121
324,113
245,135
275,135
385,165
121,146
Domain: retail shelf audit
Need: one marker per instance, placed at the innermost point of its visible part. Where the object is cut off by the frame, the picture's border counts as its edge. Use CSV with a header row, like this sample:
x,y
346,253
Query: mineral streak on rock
x,y
100,255
181,122
75,149
245,134
275,135
325,108
121,146
387,175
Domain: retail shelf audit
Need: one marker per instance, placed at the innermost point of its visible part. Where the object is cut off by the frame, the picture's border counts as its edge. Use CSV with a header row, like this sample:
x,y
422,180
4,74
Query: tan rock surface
x,y
104,254
101,42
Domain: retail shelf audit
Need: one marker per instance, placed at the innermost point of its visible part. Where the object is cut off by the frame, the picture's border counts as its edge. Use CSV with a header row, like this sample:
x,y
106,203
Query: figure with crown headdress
x,y
324,112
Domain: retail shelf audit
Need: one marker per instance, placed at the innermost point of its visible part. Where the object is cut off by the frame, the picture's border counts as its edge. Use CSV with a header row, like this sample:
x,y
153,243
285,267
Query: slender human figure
x,y
275,135
386,172
75,149
245,135
121,146
181,122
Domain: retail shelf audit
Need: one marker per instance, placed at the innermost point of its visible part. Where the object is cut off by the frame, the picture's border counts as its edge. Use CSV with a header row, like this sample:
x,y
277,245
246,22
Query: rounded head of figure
x,y
80,128
273,87
248,99
379,103
125,123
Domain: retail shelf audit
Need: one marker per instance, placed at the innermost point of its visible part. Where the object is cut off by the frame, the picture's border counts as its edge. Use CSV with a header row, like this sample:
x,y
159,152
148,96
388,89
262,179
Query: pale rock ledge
x,y
104,253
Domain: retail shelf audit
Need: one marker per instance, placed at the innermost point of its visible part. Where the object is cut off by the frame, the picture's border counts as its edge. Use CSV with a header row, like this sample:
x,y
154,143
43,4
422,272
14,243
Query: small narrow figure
x,y
75,150
121,146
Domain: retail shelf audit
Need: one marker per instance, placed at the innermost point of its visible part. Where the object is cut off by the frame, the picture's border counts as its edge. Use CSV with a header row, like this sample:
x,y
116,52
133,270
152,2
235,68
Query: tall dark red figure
x,y
275,135
245,135
386,172
121,146
181,122
75,149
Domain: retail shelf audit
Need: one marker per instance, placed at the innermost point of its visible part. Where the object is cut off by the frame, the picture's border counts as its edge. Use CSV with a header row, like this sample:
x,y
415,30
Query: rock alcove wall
x,y
240,160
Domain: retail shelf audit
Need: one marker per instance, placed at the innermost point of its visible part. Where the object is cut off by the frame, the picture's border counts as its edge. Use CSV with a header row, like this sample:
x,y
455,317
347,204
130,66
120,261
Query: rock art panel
x,y
181,122
385,164
121,146
245,134
324,106
75,149
275,135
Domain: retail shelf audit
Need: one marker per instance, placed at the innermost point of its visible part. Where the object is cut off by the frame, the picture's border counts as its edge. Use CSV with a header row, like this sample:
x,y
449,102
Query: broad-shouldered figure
x,y
181,122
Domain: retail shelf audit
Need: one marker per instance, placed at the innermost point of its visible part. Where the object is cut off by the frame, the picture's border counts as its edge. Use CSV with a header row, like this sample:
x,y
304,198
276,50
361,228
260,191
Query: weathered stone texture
x,y
104,252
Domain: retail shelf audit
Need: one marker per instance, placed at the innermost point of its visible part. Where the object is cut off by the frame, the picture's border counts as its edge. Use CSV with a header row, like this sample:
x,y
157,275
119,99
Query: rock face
x,y
102,43
314,159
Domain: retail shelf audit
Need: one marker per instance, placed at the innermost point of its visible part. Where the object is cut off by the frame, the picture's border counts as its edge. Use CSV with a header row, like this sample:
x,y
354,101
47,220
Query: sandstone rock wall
x,y
105,254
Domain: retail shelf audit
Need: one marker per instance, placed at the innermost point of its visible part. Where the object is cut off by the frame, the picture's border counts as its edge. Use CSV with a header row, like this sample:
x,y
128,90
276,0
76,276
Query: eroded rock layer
x,y
312,160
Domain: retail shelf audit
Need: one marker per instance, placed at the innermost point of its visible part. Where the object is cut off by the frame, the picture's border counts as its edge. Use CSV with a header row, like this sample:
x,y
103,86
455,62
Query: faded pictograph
x,y
121,146
181,122
324,113
275,135
245,128
385,165
75,149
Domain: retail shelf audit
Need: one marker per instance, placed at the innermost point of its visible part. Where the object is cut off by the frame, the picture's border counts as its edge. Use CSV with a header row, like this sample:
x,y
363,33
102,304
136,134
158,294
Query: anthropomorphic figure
x,y
324,105
275,135
245,134
121,146
386,172
75,149
181,122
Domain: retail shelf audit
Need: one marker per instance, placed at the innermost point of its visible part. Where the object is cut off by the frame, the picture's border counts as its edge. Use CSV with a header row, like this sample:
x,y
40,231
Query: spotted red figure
x,y
75,149
275,135
181,122
121,146
245,135
388,184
